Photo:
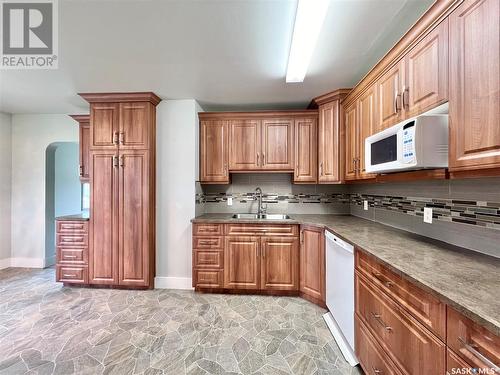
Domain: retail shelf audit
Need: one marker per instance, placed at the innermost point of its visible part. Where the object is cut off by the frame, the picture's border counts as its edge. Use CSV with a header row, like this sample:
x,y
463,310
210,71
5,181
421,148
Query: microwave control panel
x,y
409,143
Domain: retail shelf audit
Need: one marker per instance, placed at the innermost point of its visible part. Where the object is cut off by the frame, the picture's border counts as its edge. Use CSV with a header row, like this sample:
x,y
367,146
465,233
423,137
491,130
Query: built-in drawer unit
x,y
207,229
209,278
398,333
423,306
74,240
208,243
208,259
72,255
72,251
261,230
72,227
475,345
72,274
370,353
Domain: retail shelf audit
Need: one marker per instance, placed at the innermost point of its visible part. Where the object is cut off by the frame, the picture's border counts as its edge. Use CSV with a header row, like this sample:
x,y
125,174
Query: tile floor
x,y
46,328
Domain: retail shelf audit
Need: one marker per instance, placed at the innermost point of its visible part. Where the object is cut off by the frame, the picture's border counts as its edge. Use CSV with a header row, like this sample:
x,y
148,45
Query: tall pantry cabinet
x,y
122,196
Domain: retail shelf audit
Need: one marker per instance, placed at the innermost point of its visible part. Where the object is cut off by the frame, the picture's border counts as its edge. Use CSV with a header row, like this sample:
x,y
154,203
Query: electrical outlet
x,y
428,215
229,201
365,205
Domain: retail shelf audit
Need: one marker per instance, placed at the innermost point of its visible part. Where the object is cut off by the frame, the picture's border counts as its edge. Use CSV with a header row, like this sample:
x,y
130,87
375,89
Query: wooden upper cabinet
x,y
426,83
241,262
133,217
389,96
351,143
103,243
475,86
84,151
244,149
104,128
279,263
214,153
306,151
330,154
312,263
135,125
277,145
366,127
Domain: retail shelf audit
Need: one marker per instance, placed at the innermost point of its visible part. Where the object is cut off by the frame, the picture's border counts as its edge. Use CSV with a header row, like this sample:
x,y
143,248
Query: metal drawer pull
x,y
70,256
68,275
208,230
377,371
72,239
381,278
379,320
474,351
208,242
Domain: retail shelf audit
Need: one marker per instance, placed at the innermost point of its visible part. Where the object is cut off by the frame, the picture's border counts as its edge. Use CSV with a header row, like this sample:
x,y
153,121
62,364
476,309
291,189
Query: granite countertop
x,y
82,216
466,280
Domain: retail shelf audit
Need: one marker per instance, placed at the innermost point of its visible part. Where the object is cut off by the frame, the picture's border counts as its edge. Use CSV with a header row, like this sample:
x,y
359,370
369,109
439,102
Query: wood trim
x,y
256,114
430,19
118,97
338,94
80,118
475,173
424,174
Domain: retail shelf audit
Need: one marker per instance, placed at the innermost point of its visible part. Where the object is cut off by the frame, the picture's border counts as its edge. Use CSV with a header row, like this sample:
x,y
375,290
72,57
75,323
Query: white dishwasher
x,y
340,294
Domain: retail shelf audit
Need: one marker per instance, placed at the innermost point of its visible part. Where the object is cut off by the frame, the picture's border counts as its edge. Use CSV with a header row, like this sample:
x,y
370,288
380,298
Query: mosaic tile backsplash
x,y
479,213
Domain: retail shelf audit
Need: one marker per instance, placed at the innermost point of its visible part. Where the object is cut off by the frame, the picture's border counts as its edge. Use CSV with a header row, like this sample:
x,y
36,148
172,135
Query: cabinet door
x,y
104,126
280,263
426,83
244,140
306,154
329,143
366,127
84,151
389,93
277,145
214,152
241,262
135,125
134,212
351,143
103,243
475,85
312,263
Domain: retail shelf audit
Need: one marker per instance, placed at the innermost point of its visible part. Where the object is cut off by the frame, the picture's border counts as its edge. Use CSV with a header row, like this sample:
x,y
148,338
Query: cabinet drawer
x,y
72,227
207,229
261,230
209,278
370,354
456,365
399,334
72,240
72,255
207,243
208,259
72,274
423,306
473,343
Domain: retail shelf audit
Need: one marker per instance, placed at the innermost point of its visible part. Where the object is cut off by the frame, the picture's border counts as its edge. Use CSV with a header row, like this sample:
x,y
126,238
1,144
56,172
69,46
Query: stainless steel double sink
x,y
262,216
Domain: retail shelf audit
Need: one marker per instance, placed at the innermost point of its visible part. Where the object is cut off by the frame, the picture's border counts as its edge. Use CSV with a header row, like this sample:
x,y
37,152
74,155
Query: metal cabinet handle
x,y
381,278
70,256
115,161
479,355
80,170
396,102
122,161
321,169
377,371
379,320
115,138
263,158
258,156
406,97
121,138
68,275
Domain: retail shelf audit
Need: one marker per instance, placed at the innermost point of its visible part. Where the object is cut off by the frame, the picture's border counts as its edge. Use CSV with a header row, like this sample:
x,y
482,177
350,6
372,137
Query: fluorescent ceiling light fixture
x,y
308,21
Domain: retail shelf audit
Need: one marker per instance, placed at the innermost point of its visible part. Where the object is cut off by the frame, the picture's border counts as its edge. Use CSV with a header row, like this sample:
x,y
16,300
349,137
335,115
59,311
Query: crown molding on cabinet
x,y
80,118
256,115
118,97
339,94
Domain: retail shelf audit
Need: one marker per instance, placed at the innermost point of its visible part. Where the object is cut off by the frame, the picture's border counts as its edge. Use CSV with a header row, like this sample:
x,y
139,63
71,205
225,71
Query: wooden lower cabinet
x,y
72,251
279,263
370,354
241,262
407,343
312,263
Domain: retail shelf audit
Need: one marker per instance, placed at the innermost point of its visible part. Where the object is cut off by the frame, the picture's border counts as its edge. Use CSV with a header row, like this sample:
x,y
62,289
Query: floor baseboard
x,y
173,283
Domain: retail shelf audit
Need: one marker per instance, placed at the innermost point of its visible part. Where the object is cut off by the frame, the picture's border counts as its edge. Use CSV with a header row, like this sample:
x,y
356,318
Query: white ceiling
x,y
227,54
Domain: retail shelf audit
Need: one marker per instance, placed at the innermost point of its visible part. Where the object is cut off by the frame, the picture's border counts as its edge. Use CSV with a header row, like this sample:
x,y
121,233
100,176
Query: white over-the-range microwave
x,y
417,143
